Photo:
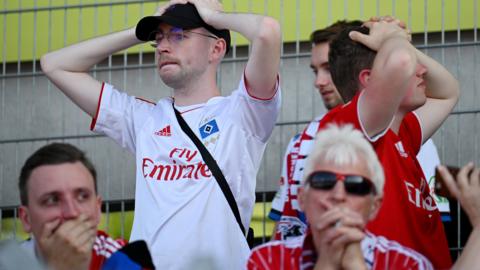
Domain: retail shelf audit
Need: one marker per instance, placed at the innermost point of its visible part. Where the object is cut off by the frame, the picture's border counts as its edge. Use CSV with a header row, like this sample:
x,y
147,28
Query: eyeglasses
x,y
354,184
175,36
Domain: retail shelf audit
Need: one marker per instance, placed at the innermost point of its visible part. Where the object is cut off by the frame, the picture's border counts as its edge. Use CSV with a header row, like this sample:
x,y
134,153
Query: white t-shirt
x,y
180,210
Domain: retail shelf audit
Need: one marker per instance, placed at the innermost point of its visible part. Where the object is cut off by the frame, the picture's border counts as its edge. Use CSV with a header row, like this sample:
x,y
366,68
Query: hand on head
x,y
68,245
466,188
381,30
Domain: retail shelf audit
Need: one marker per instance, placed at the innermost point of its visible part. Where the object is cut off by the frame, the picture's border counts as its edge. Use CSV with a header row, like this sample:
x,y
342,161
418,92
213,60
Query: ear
x,y
24,216
376,203
301,197
364,77
218,50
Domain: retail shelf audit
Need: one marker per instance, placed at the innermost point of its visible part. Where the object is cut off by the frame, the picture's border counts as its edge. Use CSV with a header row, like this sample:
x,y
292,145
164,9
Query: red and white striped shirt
x,y
103,247
299,253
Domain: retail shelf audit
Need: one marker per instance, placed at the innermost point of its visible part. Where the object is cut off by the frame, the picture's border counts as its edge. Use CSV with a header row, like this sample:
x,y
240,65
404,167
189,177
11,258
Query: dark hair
x,y
328,33
346,59
52,154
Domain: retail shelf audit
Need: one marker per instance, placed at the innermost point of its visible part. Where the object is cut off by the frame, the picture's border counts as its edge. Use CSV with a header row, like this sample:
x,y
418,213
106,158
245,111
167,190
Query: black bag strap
x,y
213,166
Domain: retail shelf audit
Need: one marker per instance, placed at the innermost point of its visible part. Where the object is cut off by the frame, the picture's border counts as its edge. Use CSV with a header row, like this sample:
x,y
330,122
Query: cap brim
x,y
147,25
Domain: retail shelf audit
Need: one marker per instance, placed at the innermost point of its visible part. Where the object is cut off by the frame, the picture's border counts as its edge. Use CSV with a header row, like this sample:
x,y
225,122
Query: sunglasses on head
x,y
354,184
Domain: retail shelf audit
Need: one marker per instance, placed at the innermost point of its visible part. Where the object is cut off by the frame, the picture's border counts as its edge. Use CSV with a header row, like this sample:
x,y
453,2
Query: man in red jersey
x,y
61,209
398,97
341,191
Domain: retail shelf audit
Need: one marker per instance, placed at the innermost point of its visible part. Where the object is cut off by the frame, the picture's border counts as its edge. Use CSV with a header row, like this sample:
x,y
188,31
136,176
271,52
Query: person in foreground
x,y
61,209
342,189
180,209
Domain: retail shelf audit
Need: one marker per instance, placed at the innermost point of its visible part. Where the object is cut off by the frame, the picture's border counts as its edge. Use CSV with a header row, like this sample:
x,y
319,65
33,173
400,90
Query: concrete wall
x,y
33,112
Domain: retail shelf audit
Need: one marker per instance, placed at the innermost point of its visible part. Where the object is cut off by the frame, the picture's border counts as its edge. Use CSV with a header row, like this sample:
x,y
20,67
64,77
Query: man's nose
x,y
70,209
338,192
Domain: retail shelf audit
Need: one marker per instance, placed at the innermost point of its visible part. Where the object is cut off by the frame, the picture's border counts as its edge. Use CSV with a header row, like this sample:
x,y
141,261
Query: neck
x,y
198,90
397,121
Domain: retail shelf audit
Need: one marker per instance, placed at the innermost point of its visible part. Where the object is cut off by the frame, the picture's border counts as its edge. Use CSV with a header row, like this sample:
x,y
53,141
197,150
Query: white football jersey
x,y
180,209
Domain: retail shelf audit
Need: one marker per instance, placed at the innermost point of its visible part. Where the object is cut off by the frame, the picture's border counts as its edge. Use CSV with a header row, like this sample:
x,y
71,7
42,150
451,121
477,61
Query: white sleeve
x,y
119,116
281,196
257,116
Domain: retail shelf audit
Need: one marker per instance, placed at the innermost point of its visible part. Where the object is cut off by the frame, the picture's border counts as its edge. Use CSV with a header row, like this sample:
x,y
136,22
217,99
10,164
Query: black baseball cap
x,y
183,16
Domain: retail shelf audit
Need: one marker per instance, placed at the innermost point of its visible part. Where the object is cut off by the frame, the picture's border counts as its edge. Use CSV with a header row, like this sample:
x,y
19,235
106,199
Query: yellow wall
x,y
298,18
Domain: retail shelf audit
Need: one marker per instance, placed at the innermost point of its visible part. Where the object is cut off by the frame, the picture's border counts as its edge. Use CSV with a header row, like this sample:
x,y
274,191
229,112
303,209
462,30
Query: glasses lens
x,y
322,180
358,185
354,184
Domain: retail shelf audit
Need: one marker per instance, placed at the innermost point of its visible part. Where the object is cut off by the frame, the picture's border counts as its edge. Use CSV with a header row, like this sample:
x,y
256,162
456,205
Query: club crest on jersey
x,y
208,129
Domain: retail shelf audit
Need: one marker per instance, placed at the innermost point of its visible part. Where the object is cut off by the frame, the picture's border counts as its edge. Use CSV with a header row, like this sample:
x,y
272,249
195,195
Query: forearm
x,y
469,258
440,82
264,35
82,56
392,74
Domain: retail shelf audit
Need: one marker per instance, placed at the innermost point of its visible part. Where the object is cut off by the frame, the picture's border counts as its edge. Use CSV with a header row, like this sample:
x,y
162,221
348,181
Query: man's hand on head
x,y
207,8
68,245
379,32
162,7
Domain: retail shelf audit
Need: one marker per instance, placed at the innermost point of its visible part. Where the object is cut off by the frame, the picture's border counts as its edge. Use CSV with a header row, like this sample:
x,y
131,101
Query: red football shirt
x,y
299,253
408,213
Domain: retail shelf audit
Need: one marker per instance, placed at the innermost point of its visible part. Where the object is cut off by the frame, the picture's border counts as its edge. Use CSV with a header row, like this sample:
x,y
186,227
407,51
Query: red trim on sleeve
x,y
94,119
252,96
145,100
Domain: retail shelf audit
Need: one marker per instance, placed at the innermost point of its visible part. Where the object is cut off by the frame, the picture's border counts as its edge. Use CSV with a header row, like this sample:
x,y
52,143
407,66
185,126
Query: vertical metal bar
x,y
49,48
125,77
34,45
314,13
140,54
1,222
122,218
409,19
282,24
475,18
297,30
330,18
425,24
394,8
15,223
110,30
264,200
95,32
362,9
458,21
4,62
19,61
345,10
378,8
443,23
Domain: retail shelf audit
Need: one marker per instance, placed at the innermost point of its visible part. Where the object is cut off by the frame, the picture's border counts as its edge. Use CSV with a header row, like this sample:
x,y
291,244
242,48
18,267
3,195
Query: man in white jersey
x,y
179,208
290,220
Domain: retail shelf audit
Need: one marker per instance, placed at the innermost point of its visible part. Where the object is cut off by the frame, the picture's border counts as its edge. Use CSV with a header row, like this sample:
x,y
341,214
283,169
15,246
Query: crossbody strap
x,y
213,166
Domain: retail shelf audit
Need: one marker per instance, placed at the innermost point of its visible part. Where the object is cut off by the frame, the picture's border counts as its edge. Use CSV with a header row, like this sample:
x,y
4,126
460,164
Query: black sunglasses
x,y
354,184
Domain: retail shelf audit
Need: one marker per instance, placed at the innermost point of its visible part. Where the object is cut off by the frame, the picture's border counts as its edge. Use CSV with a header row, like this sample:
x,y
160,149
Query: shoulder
x,y
380,251
105,245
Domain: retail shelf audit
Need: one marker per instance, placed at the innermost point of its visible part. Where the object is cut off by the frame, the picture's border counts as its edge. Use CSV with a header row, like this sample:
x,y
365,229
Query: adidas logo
x,y
164,132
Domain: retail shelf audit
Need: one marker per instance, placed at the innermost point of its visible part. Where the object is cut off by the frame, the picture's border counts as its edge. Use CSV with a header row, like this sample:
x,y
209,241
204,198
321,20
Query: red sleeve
x,y
410,132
